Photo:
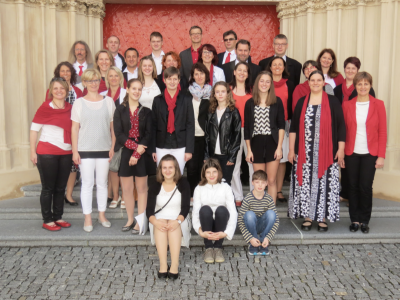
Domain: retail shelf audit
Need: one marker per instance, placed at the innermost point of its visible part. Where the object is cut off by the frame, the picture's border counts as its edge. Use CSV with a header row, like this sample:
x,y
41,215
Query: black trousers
x,y
54,172
361,172
194,165
208,223
227,171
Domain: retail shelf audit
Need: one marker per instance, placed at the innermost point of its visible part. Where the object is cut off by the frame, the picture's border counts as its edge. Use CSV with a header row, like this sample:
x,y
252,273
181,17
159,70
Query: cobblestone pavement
x,y
290,272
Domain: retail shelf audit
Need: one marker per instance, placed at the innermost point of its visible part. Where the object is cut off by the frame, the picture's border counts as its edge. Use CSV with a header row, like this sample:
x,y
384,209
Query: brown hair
x,y
96,58
140,72
259,175
71,68
210,163
72,57
333,72
361,76
160,176
285,73
271,98
201,68
128,85
171,71
229,97
175,56
61,81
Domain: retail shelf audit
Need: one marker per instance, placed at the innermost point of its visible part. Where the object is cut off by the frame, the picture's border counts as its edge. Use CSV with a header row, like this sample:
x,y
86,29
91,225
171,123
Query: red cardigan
x,y
376,126
77,90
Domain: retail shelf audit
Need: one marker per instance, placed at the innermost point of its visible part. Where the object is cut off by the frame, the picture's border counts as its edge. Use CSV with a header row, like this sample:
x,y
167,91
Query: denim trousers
x,y
259,227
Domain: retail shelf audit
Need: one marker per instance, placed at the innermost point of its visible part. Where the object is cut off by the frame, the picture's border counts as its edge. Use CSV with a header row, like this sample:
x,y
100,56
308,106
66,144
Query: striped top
x,y
259,207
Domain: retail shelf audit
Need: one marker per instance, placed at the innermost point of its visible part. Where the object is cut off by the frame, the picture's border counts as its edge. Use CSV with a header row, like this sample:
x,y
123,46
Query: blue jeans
x,y
259,227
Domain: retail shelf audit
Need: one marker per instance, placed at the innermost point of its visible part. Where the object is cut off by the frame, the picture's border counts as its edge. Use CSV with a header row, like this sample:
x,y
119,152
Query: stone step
x,y
28,208
29,233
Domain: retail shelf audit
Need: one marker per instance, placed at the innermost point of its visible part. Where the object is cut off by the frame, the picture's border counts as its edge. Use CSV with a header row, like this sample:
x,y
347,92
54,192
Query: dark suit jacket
x,y
230,67
123,61
293,67
339,94
184,121
221,58
187,63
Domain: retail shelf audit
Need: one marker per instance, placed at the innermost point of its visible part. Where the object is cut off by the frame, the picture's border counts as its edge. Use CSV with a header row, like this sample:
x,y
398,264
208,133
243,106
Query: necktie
x,y
80,70
228,58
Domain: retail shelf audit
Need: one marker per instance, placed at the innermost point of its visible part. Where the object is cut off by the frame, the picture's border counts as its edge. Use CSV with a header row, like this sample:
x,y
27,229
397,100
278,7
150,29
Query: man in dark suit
x,y
242,55
190,56
230,38
131,59
293,66
113,45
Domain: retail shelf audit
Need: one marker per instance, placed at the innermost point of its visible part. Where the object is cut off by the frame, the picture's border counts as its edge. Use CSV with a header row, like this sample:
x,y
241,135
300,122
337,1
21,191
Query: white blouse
x,y
148,94
218,75
197,129
330,81
361,143
172,210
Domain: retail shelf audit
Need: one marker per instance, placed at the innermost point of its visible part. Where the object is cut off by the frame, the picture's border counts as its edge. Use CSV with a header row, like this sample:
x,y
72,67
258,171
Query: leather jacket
x,y
229,131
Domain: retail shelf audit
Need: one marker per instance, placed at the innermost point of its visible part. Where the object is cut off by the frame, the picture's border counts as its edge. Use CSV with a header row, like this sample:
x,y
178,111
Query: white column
x,y
360,29
310,31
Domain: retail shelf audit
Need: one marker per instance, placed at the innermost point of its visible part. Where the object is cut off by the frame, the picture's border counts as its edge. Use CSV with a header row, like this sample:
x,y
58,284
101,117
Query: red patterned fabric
x,y
133,133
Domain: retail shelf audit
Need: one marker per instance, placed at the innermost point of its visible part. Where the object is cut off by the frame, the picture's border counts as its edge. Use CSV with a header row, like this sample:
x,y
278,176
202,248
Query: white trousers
x,y
179,154
236,182
87,167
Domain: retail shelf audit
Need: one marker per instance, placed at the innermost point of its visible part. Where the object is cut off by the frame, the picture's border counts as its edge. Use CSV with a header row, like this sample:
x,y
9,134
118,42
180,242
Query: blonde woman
x,y
115,85
147,74
103,61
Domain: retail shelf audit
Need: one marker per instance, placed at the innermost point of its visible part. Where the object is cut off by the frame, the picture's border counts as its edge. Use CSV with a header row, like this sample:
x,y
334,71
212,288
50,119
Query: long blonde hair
x,y
229,97
140,72
121,77
271,98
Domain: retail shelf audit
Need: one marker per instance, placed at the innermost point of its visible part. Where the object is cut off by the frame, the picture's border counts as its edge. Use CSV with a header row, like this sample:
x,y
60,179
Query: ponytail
x,y
130,82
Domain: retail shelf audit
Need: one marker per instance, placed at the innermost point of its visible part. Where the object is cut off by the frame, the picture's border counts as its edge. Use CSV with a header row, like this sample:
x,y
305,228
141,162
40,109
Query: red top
x,y
338,79
44,148
300,91
133,133
195,54
77,90
240,102
281,91
376,126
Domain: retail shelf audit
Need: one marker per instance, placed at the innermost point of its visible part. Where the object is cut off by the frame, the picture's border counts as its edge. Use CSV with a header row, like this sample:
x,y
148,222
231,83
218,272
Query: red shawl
x,y
103,86
211,74
171,102
338,79
325,155
346,92
300,91
116,96
58,117
280,83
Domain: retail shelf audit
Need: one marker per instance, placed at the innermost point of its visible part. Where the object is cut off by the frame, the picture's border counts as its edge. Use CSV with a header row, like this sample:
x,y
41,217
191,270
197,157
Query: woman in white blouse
x,y
93,145
147,74
209,57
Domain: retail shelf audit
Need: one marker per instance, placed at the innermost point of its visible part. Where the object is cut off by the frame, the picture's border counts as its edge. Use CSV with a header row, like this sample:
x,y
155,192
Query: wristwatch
x,y
179,221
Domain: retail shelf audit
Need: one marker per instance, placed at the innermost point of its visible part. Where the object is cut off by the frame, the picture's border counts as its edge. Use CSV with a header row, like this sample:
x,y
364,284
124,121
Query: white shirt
x,y
219,75
197,129
237,61
118,62
77,65
330,81
148,94
233,55
219,116
122,94
158,61
284,57
361,143
131,75
219,194
52,134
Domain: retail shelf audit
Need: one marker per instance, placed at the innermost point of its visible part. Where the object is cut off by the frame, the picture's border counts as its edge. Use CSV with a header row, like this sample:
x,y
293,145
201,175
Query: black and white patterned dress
x,y
317,198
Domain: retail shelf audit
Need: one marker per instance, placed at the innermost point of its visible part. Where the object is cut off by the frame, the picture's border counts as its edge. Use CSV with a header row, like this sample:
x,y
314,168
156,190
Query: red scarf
x,y
102,86
346,92
171,102
211,74
325,155
116,96
58,117
300,91
280,83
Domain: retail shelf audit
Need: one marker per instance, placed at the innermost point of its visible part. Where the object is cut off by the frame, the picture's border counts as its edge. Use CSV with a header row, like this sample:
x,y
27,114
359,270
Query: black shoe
x,y
282,199
70,203
354,227
130,227
364,228
163,275
306,227
322,229
173,275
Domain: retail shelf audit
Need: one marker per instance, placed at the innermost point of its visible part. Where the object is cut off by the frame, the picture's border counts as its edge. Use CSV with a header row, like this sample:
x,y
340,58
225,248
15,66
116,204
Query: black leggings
x,y
194,165
208,223
361,172
54,173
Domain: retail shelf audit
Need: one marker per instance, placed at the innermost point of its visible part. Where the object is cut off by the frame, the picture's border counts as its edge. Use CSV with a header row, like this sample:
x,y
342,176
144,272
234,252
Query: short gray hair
x,y
281,36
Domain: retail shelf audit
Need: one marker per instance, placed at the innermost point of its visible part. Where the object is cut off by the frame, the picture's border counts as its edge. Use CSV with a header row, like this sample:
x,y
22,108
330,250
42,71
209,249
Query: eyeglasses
x,y
58,78
197,33
280,45
207,53
229,40
93,81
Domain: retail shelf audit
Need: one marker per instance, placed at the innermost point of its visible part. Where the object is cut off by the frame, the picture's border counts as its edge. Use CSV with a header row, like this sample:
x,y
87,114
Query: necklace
x,y
57,105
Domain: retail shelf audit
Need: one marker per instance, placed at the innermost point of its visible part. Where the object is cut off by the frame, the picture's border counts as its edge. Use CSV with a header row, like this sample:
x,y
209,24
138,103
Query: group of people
x,y
119,119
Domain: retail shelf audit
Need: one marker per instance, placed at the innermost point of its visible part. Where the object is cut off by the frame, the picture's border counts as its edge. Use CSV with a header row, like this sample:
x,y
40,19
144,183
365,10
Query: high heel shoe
x,y
70,203
173,275
114,203
163,275
130,227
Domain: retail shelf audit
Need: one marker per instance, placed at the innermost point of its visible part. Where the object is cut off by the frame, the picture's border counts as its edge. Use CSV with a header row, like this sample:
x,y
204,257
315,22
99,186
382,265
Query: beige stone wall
x,y
35,35
368,29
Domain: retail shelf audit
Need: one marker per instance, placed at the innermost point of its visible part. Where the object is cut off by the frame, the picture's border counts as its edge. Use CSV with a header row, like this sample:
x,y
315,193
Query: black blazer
x,y
276,119
203,110
122,125
293,67
230,67
229,131
184,84
338,125
221,59
123,62
184,121
154,190
187,63
339,94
